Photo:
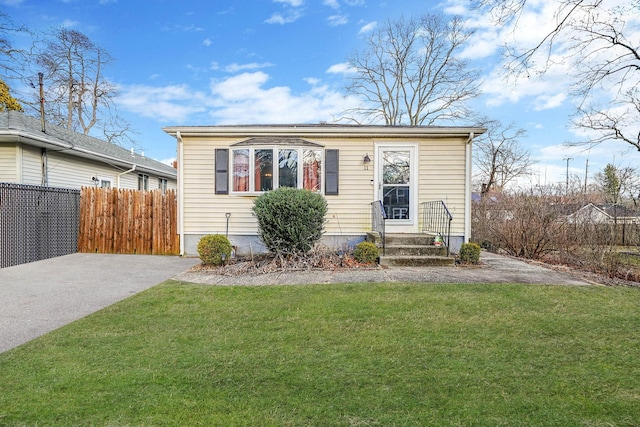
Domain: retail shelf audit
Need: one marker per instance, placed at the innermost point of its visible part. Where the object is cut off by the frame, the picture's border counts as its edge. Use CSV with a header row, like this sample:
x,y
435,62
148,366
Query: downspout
x,y
180,192
467,201
45,168
124,173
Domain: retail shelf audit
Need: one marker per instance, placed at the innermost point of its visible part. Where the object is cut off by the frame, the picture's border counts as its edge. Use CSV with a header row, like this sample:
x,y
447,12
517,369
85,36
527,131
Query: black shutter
x,y
222,171
331,172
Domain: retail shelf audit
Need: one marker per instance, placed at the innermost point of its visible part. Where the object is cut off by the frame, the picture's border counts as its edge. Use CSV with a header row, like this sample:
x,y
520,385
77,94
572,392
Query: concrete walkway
x,y
41,296
494,269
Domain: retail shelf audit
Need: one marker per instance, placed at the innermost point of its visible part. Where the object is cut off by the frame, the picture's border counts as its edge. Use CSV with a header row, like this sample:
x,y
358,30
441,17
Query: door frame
x,y
403,225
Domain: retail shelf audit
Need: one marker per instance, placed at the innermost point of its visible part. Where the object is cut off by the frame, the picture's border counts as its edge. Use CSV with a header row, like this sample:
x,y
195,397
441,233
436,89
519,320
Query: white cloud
x,y
331,3
175,103
292,3
335,20
68,23
549,101
542,92
367,28
240,99
287,18
342,68
207,42
234,68
245,99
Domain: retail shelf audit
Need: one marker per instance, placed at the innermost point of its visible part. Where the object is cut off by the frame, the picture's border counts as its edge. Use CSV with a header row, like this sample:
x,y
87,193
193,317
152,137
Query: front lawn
x,y
337,355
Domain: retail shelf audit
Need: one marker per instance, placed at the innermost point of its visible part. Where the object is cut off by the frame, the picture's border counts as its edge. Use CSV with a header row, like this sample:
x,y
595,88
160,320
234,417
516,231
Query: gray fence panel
x,y
37,223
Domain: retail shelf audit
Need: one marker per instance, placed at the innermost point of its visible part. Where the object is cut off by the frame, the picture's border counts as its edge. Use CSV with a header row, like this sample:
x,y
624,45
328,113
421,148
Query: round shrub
x,y
469,253
366,252
290,220
214,249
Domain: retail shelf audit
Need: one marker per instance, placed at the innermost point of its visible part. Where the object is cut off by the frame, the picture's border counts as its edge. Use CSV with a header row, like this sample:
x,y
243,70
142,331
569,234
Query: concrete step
x,y
417,261
420,250
409,239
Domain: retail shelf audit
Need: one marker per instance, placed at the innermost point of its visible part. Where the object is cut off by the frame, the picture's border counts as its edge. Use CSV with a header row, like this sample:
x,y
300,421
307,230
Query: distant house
x,y
58,157
603,214
222,169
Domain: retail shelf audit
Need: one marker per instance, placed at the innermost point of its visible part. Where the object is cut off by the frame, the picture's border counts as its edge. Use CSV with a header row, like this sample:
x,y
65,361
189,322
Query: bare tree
x,y
499,158
409,74
598,39
79,97
13,60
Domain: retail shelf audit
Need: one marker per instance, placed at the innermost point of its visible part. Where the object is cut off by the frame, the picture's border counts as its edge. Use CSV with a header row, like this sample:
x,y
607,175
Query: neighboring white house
x,y
222,169
57,157
603,214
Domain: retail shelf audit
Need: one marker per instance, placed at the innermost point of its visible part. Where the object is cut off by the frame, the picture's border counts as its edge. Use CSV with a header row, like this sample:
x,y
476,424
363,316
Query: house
x,y
58,157
222,169
603,214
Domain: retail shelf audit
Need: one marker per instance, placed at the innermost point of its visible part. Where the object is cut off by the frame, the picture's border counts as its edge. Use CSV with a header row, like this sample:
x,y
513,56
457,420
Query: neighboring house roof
x,y
606,212
28,129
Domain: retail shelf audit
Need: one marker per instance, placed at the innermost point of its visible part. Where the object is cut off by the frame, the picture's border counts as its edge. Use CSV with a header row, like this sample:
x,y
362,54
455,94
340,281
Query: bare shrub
x,y
523,225
543,225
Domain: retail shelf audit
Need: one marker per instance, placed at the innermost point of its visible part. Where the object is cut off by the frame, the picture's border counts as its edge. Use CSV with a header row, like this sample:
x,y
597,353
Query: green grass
x,y
337,355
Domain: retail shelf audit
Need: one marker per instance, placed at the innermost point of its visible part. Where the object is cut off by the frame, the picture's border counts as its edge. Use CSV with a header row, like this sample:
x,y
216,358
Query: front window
x,y
263,169
241,170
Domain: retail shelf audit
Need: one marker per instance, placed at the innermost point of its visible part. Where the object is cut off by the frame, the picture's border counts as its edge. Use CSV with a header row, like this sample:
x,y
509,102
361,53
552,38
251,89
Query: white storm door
x,y
397,185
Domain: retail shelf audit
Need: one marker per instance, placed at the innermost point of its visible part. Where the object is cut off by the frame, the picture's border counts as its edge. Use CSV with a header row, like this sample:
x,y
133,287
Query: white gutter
x,y
124,173
309,131
180,191
467,201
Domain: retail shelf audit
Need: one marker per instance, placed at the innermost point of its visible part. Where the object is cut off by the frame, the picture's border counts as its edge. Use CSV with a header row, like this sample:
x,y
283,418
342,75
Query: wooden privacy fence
x,y
128,222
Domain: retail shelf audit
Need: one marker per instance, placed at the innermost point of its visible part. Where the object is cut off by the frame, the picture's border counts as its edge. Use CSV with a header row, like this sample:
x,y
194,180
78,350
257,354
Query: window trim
x,y
275,166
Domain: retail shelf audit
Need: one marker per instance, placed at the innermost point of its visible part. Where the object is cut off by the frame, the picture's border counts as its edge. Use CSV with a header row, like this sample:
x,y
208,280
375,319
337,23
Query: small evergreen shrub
x,y
290,220
469,253
366,252
214,249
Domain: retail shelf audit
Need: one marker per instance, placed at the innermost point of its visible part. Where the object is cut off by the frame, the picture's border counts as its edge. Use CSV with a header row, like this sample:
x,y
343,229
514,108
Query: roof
x,y
14,124
607,210
325,130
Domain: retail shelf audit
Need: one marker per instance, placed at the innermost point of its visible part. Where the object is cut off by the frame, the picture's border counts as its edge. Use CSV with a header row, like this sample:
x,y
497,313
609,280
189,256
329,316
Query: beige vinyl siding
x,y
442,176
31,165
441,164
8,162
348,212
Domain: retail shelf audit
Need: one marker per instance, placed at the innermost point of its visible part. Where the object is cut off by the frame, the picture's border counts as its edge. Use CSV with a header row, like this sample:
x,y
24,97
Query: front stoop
x,y
411,250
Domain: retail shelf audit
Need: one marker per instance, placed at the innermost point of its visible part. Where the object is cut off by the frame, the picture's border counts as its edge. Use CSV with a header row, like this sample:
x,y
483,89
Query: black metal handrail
x,y
378,217
436,218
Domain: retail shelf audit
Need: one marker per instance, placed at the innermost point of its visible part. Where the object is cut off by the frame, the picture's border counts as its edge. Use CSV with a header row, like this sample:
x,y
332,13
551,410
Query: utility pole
x,y
567,185
586,175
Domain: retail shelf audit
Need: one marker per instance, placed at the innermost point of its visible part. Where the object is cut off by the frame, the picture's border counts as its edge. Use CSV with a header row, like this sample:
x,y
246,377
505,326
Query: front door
x,y
397,186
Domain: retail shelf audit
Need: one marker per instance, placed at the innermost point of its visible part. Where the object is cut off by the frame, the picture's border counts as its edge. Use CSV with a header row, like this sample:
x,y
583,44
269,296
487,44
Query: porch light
x,y
366,161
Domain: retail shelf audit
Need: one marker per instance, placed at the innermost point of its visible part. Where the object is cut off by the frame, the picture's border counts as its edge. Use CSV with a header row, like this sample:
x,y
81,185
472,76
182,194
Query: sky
x,y
203,62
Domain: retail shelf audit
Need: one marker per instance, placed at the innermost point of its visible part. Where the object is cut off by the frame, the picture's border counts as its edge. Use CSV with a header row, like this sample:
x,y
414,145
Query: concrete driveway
x,y
41,296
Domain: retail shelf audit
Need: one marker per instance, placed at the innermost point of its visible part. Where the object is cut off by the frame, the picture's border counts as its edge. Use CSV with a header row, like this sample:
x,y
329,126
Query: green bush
x,y
469,253
214,249
366,252
290,221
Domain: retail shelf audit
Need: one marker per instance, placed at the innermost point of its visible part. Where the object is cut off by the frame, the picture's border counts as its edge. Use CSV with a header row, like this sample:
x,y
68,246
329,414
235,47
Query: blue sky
x,y
197,62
